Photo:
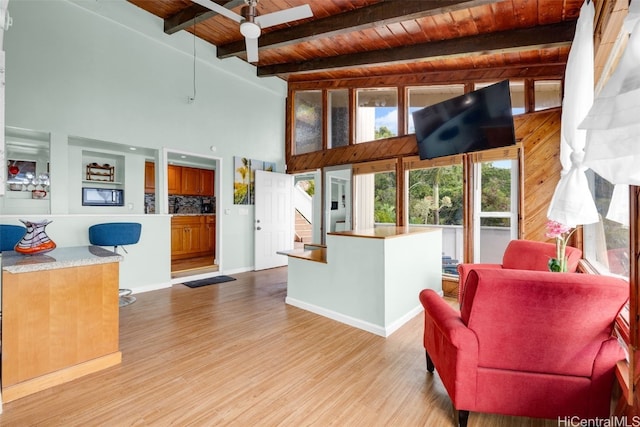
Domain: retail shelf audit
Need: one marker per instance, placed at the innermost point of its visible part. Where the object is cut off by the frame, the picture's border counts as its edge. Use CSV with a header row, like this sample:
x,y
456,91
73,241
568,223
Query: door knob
x,y
258,228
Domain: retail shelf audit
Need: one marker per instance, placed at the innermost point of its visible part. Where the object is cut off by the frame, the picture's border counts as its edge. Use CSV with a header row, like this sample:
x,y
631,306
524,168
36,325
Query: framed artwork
x,y
244,178
20,170
269,166
241,180
256,165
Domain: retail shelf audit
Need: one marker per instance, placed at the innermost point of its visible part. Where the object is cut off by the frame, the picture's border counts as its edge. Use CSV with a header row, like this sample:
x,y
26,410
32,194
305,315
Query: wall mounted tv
x,y
475,121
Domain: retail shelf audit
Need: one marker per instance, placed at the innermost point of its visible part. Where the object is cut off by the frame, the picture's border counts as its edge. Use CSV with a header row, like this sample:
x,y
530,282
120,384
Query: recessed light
x,y
183,157
132,148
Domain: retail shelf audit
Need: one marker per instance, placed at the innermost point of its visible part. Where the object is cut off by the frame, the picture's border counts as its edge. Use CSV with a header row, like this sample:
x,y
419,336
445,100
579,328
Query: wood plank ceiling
x,y
442,40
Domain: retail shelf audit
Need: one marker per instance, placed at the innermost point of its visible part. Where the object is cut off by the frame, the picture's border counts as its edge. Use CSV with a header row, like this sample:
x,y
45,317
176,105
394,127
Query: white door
x,y
274,218
491,238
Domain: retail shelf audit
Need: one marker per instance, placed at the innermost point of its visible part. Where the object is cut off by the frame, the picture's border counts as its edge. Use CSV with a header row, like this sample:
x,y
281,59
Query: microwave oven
x,y
102,197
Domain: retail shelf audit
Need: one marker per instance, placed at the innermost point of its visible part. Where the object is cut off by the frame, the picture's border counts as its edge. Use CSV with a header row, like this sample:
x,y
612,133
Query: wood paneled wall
x,y
540,136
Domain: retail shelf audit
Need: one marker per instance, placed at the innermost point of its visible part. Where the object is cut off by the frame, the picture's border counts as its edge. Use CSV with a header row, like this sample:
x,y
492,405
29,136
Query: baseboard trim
x,y
352,321
43,382
394,326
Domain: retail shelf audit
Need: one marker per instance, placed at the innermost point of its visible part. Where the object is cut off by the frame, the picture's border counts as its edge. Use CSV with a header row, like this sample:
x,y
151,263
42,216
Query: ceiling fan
x,y
251,24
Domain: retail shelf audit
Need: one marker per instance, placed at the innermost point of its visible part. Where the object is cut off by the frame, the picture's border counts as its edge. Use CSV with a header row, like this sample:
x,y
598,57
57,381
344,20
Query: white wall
x,y
104,70
376,290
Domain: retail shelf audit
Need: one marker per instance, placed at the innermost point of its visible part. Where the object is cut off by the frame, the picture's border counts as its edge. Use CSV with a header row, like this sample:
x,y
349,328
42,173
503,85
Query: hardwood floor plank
x,y
235,354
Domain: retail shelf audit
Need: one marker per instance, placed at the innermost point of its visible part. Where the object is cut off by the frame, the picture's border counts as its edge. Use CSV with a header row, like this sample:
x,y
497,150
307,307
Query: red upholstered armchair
x,y
522,255
527,343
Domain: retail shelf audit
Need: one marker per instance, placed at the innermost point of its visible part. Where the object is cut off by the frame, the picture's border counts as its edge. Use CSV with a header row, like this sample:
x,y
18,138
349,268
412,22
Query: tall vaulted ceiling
x,y
347,39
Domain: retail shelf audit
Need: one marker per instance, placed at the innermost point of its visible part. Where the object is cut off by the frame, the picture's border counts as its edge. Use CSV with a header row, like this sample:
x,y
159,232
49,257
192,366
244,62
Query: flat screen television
x,y
475,121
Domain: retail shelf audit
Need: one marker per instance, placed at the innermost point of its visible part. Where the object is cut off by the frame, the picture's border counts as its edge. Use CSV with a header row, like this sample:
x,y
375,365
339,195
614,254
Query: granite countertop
x,y
14,262
193,214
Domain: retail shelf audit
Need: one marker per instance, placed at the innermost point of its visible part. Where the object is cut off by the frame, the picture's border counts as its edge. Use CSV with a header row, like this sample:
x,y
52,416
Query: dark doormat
x,y
209,281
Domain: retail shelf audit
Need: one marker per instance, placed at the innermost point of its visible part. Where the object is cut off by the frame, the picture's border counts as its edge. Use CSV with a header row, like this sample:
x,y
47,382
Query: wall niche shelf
x,y
99,182
102,169
100,173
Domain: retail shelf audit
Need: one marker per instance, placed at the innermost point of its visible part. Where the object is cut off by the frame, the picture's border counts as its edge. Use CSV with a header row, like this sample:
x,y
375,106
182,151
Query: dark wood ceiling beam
x,y
544,36
379,14
542,71
195,14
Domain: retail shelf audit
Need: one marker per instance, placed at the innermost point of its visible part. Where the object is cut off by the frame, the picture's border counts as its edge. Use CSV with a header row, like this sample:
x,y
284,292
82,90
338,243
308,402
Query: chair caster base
x,y
126,300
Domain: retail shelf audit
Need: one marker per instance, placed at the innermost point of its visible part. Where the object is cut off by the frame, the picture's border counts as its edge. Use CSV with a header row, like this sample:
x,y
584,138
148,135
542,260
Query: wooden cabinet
x,y
58,324
188,181
209,234
174,179
186,232
207,179
192,235
149,177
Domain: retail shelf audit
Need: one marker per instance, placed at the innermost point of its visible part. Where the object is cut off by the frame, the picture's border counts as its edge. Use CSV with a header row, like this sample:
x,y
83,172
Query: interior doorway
x,y
337,199
190,185
306,193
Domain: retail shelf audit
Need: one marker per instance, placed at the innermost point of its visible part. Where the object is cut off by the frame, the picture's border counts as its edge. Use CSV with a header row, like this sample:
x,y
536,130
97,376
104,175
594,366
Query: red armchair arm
x,y
452,347
603,376
463,272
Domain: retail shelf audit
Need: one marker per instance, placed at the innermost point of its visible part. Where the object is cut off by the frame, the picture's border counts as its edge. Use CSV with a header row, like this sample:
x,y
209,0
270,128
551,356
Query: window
x,y
424,96
547,94
384,198
435,199
337,199
517,95
495,210
375,194
338,131
308,121
606,243
376,114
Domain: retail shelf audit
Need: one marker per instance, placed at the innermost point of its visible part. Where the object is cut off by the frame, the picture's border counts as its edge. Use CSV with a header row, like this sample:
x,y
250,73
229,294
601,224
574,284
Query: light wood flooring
x,y
191,266
235,354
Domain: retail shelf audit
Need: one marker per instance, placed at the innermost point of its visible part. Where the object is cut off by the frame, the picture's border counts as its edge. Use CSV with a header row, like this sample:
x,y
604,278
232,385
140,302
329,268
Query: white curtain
x,y
613,123
572,202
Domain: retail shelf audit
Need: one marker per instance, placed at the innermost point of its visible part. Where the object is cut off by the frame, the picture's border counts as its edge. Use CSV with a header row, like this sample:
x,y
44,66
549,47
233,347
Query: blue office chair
x,y
10,235
117,234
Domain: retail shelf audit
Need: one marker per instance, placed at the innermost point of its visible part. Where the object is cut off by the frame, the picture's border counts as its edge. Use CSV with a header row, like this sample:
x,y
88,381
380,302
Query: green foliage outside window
x,y
383,132
385,198
496,194
435,196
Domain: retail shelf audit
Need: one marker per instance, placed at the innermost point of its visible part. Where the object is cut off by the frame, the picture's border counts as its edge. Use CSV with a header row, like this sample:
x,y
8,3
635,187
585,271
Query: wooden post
x,y
634,279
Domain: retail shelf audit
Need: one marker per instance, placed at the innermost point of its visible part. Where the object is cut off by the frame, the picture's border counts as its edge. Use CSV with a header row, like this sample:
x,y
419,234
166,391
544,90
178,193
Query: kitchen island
x,y
60,317
370,278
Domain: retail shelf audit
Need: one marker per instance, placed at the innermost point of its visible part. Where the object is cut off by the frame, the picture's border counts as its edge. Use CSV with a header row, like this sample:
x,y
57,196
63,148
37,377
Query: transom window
x,y
376,114
308,121
424,96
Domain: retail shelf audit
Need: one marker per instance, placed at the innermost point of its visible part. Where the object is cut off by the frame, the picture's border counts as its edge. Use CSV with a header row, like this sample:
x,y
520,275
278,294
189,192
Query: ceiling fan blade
x,y
282,16
252,49
219,9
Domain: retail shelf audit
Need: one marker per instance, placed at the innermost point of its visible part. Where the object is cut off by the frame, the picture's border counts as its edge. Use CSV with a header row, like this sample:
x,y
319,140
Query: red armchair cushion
x,y
549,318
522,255
531,255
